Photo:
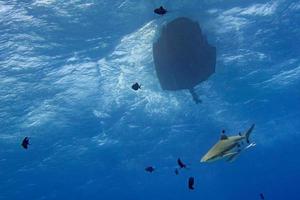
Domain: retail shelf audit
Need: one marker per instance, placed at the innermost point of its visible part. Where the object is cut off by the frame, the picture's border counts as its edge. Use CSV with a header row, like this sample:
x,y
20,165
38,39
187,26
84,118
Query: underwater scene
x,y
149,99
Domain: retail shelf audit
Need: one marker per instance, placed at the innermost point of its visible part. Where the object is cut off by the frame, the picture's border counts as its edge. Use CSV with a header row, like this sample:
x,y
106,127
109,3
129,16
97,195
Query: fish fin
x,y
230,154
223,137
247,134
232,157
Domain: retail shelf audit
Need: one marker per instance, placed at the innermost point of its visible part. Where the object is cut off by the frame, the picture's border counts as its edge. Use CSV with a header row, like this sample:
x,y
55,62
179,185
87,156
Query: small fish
x,y
136,86
149,169
180,163
191,183
160,11
176,171
262,196
25,143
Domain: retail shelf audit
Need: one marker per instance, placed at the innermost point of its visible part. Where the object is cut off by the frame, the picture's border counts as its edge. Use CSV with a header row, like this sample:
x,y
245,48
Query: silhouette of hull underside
x,y
182,56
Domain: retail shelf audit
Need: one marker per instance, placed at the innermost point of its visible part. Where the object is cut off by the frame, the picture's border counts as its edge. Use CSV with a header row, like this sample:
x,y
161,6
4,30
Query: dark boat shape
x,y
182,56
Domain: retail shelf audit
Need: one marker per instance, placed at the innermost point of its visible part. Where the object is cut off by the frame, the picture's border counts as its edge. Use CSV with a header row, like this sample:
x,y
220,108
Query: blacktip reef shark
x,y
229,147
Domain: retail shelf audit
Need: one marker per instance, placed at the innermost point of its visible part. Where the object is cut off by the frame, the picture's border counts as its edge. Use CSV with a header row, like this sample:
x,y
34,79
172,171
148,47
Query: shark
x,y
229,148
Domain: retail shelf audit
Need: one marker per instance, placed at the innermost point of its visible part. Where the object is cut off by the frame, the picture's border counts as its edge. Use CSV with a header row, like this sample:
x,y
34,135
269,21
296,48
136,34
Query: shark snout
x,y
203,159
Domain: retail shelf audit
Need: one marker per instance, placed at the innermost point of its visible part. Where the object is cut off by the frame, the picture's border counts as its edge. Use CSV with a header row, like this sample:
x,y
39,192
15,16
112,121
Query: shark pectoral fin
x,y
230,154
232,157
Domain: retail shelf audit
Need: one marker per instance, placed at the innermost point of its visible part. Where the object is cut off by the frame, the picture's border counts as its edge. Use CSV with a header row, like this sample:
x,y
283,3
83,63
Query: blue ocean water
x,y
66,68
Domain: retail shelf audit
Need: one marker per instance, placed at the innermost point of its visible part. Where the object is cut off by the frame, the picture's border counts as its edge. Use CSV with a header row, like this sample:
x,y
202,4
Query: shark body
x,y
229,147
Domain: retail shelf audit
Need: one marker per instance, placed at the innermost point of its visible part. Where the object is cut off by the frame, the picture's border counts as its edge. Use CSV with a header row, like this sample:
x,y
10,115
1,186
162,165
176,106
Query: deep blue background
x,y
66,67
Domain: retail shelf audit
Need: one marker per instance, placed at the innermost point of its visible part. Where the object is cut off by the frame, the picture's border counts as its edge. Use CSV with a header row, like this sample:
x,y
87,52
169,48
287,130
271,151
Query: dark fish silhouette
x,y
262,196
176,171
136,86
181,164
149,169
191,183
25,143
160,11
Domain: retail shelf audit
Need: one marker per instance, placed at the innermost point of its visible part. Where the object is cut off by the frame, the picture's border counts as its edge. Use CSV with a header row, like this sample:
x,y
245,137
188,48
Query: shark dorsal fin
x,y
223,137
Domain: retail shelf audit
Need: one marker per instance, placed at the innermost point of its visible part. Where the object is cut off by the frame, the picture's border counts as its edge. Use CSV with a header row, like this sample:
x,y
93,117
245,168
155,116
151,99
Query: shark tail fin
x,y
247,134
